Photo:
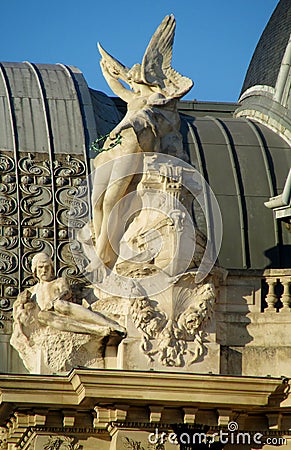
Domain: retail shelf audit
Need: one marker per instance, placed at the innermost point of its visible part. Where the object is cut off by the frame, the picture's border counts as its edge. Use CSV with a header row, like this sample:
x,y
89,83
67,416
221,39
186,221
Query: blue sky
x,y
214,42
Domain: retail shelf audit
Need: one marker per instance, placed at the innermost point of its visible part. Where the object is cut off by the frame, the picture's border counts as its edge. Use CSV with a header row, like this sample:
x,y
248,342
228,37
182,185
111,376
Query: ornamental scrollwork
x,y
8,206
8,185
35,206
7,164
132,444
31,166
72,206
70,266
9,240
38,197
71,166
61,443
34,246
8,261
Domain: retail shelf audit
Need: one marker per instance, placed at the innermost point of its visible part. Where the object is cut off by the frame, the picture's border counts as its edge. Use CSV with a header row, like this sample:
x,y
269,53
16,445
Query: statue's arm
x,y
111,76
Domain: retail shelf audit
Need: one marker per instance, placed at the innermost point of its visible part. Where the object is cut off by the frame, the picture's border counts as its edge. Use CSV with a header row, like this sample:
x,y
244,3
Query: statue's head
x,y
42,267
134,74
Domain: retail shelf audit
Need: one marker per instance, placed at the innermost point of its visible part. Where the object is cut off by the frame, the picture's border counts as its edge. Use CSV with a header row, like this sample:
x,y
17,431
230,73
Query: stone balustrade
x,y
276,291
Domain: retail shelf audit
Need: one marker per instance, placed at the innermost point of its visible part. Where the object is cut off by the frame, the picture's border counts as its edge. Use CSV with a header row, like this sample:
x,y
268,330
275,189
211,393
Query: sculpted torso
x,y
50,302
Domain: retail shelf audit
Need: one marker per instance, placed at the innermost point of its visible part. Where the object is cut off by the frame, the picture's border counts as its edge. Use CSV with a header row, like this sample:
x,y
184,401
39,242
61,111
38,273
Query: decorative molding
x,y
61,443
131,444
167,335
165,388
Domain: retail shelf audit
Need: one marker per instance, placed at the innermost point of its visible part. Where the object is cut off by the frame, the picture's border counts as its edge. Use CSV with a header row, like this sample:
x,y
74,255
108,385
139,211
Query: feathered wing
x,y
158,55
176,84
113,64
156,69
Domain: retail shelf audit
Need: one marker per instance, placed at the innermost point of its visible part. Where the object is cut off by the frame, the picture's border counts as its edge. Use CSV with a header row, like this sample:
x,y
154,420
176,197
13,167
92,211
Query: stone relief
x,y
61,443
132,444
50,326
167,334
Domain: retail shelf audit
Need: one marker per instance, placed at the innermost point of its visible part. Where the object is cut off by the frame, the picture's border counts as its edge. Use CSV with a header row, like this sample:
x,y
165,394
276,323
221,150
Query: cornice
x,y
140,388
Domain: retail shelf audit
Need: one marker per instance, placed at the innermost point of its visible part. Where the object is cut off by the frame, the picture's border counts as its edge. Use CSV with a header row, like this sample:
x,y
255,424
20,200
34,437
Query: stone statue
x,y
151,257
151,124
48,308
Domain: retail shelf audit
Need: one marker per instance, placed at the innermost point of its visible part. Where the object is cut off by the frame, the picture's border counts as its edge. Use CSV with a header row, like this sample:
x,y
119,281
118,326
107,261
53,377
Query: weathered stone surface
x,y
151,252
52,333
164,307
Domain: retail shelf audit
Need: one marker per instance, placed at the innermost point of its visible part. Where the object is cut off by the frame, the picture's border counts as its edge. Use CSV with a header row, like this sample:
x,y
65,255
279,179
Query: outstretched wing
x,y
176,84
113,65
156,69
158,55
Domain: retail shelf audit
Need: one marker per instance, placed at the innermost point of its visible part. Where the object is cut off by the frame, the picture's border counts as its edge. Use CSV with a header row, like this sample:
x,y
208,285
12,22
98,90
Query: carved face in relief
x,y
44,271
42,267
192,321
193,317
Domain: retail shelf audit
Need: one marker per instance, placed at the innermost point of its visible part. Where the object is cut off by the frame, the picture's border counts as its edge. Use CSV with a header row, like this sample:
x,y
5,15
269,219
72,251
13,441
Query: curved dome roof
x,y
245,163
49,117
265,63
45,108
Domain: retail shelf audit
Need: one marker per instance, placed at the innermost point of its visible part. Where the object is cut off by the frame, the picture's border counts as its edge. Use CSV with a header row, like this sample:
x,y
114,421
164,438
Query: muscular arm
x,y
116,86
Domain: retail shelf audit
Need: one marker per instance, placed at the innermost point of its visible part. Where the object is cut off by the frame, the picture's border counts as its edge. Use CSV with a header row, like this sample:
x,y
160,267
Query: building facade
x,y
49,120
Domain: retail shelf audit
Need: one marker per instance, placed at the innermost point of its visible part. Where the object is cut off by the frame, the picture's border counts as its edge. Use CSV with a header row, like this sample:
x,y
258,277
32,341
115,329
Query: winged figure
x,y
151,124
155,70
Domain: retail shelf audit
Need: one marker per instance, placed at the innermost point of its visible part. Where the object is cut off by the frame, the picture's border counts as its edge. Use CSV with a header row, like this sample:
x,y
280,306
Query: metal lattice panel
x,y
37,201
46,123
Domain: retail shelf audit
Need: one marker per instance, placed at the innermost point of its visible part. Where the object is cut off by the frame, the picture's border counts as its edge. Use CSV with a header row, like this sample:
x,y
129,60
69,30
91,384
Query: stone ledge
x,y
138,388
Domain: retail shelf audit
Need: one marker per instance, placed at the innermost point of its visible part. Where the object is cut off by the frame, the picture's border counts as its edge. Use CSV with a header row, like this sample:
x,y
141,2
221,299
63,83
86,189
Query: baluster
x,y
271,297
286,297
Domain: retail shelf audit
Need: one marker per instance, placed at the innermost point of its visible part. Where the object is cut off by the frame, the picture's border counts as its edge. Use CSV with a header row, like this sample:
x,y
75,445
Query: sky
x,y
214,39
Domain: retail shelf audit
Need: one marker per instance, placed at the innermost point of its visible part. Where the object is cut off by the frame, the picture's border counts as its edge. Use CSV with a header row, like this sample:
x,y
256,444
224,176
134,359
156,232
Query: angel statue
x,y
151,124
